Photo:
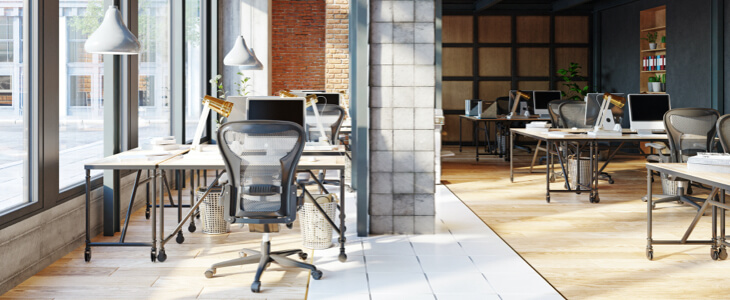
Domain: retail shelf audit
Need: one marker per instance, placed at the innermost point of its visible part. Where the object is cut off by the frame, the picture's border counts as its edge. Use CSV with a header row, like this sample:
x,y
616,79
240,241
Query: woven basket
x,y
316,231
211,212
585,171
669,187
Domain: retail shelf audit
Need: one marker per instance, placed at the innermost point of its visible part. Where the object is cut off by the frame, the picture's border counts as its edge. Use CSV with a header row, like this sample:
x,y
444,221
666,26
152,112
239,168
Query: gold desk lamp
x,y
220,106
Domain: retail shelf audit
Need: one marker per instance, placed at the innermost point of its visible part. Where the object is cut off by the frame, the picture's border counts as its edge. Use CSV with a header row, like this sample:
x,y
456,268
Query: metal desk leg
x,y
162,256
87,250
191,227
147,196
153,252
547,173
343,256
460,120
722,242
649,200
475,138
511,160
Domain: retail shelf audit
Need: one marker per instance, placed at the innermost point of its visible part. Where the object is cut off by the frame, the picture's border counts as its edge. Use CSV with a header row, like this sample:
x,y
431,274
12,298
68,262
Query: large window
x,y
193,68
154,70
14,116
81,106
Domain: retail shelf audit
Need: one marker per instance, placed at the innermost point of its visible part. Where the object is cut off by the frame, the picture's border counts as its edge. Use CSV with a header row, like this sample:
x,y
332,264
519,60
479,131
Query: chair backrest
x,y
331,117
261,159
723,132
555,112
573,114
502,105
690,130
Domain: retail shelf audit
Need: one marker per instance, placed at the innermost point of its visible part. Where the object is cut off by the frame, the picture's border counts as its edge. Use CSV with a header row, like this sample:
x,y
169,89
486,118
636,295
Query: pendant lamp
x,y
257,66
241,55
112,36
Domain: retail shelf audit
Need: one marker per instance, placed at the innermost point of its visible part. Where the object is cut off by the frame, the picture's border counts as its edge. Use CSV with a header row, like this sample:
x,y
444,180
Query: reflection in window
x,y
193,68
6,90
79,91
154,70
6,39
146,90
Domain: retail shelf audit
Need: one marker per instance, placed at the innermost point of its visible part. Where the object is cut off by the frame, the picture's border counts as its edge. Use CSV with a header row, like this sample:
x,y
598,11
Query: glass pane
x,y
14,163
194,87
81,91
154,70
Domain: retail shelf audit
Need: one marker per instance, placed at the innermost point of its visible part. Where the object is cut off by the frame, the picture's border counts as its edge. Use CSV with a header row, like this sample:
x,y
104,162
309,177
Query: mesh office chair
x,y
573,115
556,122
331,117
690,130
261,159
723,132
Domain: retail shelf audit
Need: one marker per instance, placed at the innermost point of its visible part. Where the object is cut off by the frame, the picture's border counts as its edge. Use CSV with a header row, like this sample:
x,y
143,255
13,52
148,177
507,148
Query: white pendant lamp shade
x,y
112,37
255,67
240,55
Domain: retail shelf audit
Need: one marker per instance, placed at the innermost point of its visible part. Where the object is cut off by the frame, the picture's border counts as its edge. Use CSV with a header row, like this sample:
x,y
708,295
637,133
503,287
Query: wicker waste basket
x,y
211,212
669,187
585,171
316,231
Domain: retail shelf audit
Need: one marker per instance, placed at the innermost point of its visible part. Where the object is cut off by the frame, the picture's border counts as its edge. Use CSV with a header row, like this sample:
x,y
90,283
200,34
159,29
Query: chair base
x,y
264,258
679,198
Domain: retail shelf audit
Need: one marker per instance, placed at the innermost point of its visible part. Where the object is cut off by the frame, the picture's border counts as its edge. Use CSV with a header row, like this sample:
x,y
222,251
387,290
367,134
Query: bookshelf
x,y
653,20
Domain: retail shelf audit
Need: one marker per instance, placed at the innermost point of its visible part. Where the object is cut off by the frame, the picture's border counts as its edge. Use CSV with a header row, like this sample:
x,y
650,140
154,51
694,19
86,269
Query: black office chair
x,y
261,159
573,115
690,131
556,123
330,116
723,132
502,105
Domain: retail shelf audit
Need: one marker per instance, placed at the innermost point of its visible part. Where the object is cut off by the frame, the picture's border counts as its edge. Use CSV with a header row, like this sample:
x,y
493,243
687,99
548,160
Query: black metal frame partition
x,y
41,38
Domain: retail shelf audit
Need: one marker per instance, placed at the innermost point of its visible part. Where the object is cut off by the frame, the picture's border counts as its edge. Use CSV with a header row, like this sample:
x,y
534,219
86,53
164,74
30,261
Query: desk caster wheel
x,y
715,254
191,227
595,199
289,225
153,255
256,286
147,214
610,181
342,257
302,256
723,253
162,257
650,254
87,255
209,273
547,198
180,238
316,274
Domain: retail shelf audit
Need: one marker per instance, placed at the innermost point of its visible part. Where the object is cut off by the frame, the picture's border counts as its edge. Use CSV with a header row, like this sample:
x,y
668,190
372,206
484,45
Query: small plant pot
x,y
663,46
663,86
656,86
650,87
652,46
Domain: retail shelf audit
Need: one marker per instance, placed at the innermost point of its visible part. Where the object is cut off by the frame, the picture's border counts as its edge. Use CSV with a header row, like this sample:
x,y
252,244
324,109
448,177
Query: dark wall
x,y
688,50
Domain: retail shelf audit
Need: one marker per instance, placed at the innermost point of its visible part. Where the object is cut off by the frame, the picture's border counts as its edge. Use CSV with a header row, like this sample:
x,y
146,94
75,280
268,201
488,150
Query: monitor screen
x,y
281,109
647,107
327,98
542,98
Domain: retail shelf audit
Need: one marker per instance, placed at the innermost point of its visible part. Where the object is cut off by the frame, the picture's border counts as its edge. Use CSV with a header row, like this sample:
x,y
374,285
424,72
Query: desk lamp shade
x,y
112,37
240,55
220,106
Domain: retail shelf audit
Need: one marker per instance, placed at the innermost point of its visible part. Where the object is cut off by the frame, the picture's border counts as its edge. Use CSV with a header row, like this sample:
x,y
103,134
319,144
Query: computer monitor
x,y
326,98
276,108
593,107
646,111
541,99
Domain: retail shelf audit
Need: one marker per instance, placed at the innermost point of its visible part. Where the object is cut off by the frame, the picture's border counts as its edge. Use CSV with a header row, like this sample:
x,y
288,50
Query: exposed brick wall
x,y
297,44
337,76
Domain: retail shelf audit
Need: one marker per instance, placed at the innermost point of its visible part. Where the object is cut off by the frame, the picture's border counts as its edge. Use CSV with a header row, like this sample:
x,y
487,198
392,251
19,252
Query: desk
x,y
582,142
720,183
502,124
210,158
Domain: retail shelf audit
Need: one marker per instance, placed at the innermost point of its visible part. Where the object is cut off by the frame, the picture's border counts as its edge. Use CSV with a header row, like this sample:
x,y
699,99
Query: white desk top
x,y
581,135
134,159
721,180
210,158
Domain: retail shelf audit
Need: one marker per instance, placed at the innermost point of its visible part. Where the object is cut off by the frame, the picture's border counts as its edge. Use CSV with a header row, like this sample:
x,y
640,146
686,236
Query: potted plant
x,y
569,77
664,42
663,82
651,38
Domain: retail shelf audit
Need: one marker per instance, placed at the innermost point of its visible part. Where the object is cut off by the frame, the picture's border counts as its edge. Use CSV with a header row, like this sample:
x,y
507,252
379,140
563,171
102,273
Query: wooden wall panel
x,y
572,29
490,90
457,29
495,62
451,129
533,29
455,92
564,56
533,85
533,62
457,61
495,29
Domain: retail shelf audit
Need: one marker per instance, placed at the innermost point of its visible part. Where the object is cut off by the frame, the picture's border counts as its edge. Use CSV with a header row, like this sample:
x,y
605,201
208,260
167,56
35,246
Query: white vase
x,y
652,46
656,86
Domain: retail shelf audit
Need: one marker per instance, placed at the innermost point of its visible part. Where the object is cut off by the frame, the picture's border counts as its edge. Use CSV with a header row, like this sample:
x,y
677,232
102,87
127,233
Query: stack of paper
x,y
539,126
709,162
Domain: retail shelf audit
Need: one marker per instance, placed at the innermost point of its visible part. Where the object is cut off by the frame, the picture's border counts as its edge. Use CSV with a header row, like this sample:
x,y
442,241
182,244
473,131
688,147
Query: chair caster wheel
x,y
316,274
595,199
147,214
191,227
289,225
715,254
303,256
610,181
650,254
153,255
180,238
256,286
209,273
162,257
342,257
87,255
722,255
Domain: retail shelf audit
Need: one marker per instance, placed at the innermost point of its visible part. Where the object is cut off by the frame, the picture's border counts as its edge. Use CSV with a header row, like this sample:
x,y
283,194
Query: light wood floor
x,y
128,273
585,250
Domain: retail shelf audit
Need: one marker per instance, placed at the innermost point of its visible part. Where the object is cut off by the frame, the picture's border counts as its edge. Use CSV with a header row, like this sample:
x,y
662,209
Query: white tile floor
x,y
463,260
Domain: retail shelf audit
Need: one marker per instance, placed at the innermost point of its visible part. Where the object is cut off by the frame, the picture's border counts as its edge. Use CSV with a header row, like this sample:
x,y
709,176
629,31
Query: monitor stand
x,y
644,131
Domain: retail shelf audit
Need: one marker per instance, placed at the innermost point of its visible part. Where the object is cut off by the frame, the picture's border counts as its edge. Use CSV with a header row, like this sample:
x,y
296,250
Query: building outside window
x,y
154,70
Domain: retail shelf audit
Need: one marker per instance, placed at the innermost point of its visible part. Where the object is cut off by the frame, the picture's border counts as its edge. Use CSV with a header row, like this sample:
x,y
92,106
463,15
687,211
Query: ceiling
x,y
540,6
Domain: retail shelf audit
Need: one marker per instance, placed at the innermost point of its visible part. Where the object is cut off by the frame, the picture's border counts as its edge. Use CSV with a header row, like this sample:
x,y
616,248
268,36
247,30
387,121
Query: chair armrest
x,y
658,146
